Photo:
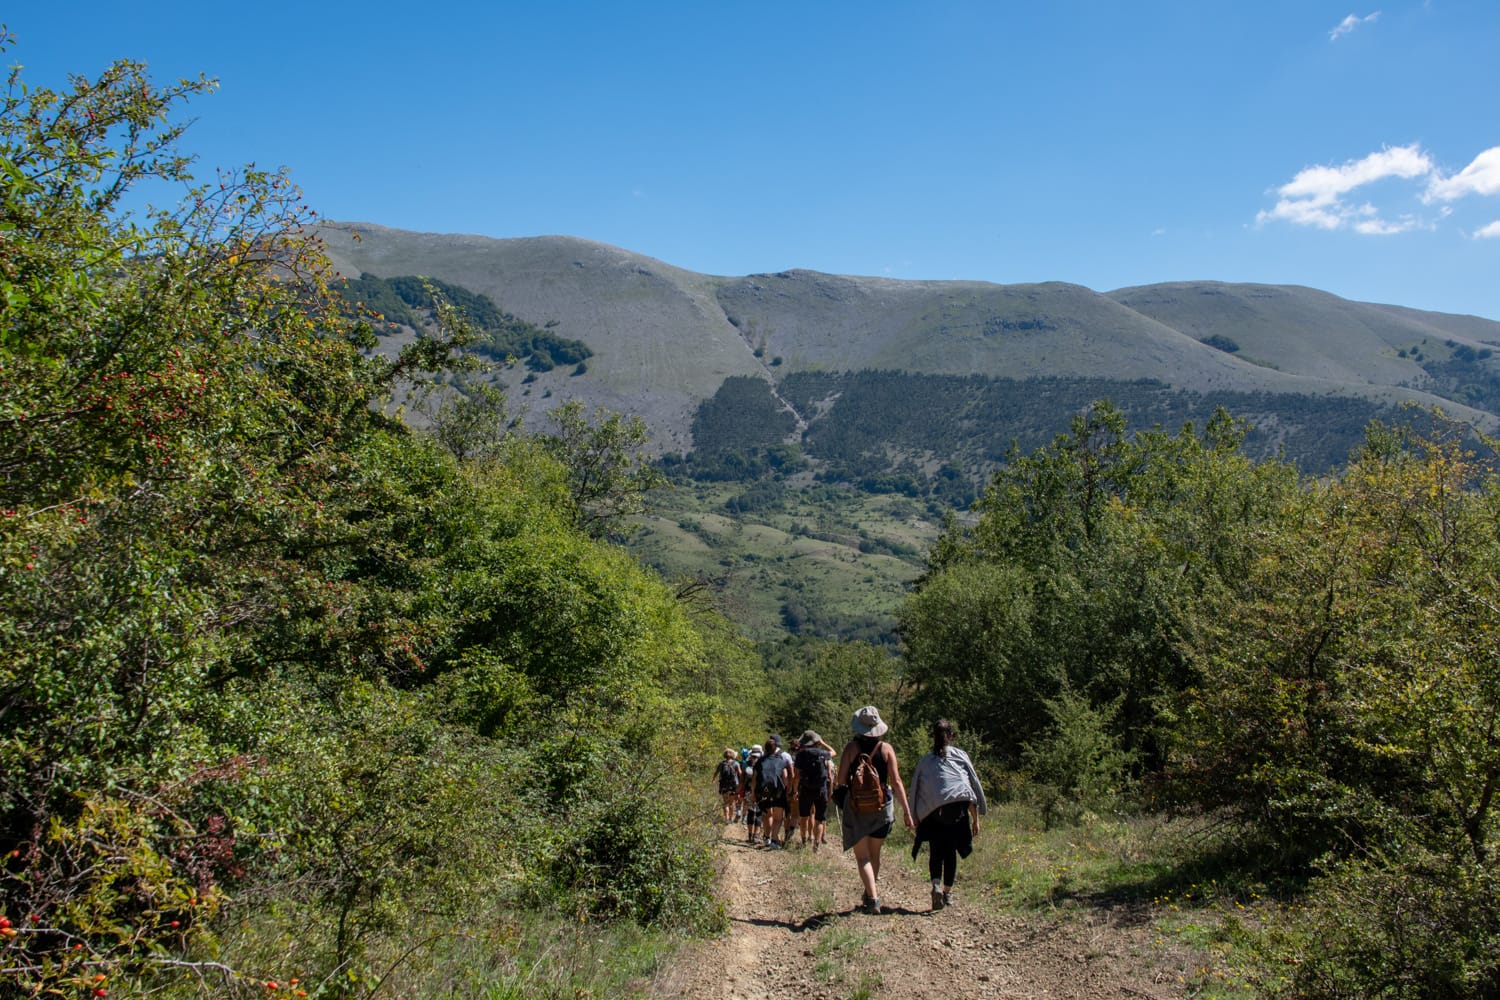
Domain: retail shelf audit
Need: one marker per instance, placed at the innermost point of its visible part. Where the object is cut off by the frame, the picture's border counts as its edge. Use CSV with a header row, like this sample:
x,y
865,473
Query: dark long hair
x,y
942,736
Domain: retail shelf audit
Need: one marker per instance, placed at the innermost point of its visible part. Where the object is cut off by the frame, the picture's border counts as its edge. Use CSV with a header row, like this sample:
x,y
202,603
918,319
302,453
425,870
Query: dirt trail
x,y
796,930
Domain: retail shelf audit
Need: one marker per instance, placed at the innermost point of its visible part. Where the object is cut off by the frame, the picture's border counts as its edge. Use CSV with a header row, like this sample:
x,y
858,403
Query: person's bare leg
x,y
866,870
772,825
876,844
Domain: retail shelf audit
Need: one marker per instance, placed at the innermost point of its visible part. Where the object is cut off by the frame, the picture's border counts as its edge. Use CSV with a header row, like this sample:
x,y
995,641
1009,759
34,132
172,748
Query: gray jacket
x,y
941,778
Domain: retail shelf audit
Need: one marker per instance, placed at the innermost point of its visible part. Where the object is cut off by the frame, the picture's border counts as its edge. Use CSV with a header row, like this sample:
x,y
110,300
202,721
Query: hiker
x,y
771,776
728,775
814,764
868,774
947,800
752,809
793,796
739,795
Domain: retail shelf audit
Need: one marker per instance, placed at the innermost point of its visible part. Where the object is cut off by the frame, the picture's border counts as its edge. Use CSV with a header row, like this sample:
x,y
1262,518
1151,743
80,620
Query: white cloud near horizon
x,y
1490,232
1482,176
1314,197
1349,24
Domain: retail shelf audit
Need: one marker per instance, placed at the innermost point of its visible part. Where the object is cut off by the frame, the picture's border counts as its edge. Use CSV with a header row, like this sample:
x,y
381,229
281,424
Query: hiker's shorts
x,y
779,802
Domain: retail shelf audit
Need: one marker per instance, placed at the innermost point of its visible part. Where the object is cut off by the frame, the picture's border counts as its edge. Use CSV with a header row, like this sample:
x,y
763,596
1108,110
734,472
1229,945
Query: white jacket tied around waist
x,y
941,778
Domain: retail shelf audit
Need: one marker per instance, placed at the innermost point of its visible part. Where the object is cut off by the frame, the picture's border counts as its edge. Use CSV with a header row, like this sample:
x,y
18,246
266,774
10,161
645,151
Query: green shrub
x,y
1077,764
1410,926
622,854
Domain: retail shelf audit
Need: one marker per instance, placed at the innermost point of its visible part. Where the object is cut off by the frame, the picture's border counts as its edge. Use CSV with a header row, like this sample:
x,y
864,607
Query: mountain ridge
x,y
666,338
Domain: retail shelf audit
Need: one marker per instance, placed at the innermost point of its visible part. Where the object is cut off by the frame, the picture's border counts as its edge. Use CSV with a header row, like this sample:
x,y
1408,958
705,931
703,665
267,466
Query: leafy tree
x,y
829,682
470,421
1077,760
179,399
1078,575
609,473
1344,709
1347,690
258,641
970,654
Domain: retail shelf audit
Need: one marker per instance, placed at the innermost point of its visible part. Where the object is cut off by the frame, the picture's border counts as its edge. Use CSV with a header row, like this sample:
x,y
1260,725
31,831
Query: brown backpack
x,y
866,791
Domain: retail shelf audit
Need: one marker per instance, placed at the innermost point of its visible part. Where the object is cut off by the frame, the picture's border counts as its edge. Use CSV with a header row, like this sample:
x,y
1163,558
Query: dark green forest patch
x,y
408,301
942,436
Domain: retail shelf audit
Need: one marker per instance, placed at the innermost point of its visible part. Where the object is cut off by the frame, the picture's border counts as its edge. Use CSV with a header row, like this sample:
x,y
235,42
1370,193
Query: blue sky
x,y
1353,147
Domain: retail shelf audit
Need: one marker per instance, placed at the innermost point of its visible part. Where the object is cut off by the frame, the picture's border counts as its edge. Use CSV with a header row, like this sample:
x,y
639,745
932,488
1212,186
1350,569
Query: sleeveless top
x,y
871,746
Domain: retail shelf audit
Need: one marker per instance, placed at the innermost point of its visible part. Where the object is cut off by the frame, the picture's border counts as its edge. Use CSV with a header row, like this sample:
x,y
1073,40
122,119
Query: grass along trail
x,y
796,930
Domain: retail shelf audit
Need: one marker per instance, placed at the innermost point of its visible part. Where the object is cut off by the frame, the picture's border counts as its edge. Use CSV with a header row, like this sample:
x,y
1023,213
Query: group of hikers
x,y
781,792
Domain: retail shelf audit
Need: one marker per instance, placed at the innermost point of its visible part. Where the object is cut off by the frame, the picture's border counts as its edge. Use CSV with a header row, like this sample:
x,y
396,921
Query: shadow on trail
x,y
813,923
820,920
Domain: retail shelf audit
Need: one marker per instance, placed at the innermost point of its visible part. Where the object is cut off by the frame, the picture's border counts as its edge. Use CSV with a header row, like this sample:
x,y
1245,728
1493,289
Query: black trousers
x,y
949,837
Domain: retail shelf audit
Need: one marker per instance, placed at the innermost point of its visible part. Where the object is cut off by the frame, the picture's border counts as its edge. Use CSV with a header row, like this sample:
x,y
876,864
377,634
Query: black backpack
x,y
812,771
771,786
729,776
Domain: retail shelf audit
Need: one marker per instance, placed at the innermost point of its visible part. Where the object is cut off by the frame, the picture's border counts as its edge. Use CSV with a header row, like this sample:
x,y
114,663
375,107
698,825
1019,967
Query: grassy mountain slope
x,y
1302,330
828,322
1387,349
666,338
661,344
1475,329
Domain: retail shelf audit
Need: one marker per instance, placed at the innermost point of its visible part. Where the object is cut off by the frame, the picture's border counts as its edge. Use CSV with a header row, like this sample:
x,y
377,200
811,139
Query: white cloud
x,y
1302,213
1480,177
1384,227
1350,23
1325,184
1322,197
1314,197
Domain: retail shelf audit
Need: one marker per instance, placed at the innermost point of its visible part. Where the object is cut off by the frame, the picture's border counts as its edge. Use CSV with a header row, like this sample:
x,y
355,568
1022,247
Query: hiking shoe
x,y
947,897
871,905
938,899
772,845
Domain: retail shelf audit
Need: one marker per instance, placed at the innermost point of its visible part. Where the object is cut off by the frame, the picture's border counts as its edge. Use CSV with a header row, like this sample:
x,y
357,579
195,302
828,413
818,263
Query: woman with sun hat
x,y
865,832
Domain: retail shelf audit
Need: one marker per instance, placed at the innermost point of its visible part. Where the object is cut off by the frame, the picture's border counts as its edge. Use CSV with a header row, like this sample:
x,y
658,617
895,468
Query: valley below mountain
x,y
818,428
